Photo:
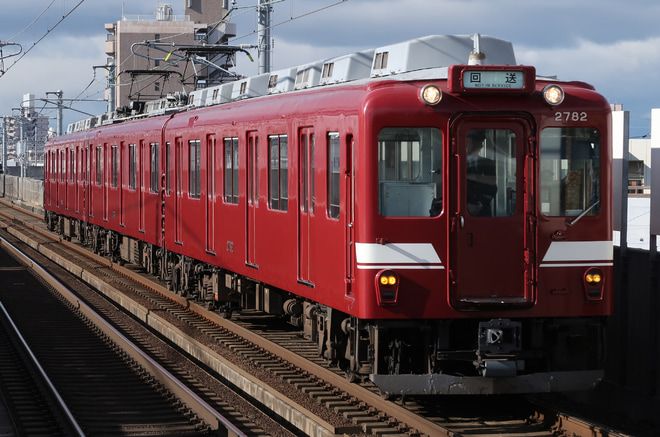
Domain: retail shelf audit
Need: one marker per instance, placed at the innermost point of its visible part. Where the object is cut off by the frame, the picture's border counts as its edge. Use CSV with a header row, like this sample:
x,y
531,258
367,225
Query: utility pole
x,y
263,35
60,109
4,146
111,87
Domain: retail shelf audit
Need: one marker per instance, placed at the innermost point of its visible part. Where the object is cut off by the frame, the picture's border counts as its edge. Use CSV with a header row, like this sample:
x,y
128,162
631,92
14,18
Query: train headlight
x,y
553,94
431,95
593,284
387,287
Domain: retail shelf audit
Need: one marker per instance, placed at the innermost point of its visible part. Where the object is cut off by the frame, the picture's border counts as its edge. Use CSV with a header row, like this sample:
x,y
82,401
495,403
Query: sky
x,y
609,44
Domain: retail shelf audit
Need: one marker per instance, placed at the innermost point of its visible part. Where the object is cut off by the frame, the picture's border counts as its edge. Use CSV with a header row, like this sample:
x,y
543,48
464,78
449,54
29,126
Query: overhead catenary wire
x,y
48,31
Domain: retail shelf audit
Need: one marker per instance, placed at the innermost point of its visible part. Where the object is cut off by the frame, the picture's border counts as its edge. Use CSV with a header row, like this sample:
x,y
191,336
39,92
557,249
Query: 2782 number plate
x,y
571,116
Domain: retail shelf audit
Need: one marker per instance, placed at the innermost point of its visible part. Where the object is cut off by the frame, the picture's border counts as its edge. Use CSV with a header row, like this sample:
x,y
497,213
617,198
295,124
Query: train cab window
x,y
278,172
570,172
410,172
194,169
490,172
231,170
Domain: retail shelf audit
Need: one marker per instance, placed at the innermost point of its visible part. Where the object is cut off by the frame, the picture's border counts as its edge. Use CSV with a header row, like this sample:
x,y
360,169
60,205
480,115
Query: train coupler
x,y
499,339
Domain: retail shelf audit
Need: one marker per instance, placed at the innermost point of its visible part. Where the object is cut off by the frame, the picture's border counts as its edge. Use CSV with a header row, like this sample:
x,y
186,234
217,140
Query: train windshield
x,y
570,171
410,172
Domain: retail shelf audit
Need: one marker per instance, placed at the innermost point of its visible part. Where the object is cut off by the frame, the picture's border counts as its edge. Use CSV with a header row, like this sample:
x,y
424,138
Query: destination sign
x,y
501,79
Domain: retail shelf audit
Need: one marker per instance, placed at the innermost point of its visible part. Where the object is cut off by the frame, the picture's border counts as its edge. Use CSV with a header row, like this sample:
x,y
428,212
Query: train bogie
x,y
437,231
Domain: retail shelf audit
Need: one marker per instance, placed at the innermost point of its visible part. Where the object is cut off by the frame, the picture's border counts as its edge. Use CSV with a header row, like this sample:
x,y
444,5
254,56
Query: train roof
x,y
428,57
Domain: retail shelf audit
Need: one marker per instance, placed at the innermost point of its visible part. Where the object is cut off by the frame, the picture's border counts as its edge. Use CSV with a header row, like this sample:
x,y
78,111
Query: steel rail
x,y
214,419
61,404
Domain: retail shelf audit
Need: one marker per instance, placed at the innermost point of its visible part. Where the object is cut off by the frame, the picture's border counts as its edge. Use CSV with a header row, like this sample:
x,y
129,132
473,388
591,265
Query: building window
x,y
194,169
278,172
231,170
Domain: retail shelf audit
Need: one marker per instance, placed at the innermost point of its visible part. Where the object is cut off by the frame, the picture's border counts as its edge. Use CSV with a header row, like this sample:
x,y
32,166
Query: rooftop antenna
x,y
476,56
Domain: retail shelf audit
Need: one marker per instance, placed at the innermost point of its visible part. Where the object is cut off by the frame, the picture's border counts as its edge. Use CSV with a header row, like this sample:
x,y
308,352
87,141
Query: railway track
x,y
274,367
93,380
32,405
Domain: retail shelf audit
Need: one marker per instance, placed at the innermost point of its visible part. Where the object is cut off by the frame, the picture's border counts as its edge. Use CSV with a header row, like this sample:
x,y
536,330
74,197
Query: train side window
x,y
153,152
62,169
168,177
132,166
278,172
410,172
333,175
231,170
194,169
73,165
570,171
53,166
99,165
115,166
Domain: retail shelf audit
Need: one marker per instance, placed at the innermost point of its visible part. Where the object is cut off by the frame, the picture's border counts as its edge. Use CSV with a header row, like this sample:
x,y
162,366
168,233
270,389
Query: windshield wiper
x,y
583,213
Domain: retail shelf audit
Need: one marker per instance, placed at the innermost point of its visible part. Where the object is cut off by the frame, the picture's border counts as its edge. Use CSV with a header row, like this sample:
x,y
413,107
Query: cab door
x,y
493,213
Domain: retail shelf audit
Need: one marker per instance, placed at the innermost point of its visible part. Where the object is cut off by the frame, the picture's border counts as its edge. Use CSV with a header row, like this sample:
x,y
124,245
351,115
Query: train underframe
x,y
448,356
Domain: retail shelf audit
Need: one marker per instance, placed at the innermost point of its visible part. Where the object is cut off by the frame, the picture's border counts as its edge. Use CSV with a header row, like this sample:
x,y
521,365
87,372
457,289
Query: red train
x,y
436,217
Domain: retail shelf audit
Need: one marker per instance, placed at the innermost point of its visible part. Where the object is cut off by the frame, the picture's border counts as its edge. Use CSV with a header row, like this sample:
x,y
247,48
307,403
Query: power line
x,y
44,36
33,21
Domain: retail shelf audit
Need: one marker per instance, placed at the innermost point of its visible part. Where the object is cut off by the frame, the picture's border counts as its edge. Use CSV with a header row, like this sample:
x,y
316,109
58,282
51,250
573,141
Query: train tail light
x,y
594,284
387,287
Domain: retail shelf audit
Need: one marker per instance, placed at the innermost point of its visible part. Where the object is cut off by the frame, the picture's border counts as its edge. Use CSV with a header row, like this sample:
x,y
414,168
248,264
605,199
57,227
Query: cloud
x,y
58,64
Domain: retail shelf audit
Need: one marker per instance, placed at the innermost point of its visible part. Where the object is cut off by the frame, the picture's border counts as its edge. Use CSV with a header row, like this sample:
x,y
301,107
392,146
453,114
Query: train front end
x,y
483,246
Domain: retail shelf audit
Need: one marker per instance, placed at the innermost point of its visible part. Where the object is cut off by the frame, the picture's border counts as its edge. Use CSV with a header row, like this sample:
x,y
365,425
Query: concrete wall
x,y
28,193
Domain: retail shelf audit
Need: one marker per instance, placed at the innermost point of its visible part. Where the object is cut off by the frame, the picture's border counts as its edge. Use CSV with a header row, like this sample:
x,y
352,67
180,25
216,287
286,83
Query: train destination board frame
x,y
492,79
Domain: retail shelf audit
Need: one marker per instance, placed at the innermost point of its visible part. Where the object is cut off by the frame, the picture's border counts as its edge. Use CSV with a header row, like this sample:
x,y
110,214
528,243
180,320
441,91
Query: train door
x,y
350,211
66,167
492,228
84,167
178,184
142,153
306,142
252,198
76,178
105,160
211,167
122,207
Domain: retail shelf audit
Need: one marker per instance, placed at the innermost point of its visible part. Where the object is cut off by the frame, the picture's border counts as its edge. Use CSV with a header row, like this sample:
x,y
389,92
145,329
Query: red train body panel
x,y
359,211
